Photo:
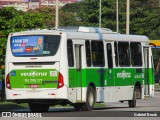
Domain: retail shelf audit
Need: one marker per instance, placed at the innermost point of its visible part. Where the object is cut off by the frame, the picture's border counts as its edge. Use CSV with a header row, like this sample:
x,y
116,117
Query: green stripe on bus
x,y
108,77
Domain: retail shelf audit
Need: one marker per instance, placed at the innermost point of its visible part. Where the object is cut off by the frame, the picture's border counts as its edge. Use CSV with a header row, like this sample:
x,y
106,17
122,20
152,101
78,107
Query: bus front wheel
x,y
37,107
89,105
132,103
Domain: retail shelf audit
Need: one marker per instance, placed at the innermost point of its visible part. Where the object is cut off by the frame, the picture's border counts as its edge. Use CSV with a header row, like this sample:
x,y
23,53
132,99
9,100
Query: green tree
x,y
6,16
144,16
48,14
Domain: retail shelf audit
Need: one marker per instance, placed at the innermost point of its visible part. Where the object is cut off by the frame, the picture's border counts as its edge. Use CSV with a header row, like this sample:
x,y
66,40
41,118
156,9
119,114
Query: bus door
x,y
146,65
110,79
78,59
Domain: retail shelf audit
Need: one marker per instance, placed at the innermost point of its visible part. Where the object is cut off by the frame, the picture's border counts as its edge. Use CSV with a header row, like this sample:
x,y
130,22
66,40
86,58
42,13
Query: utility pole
x,y
117,16
40,3
57,14
100,12
127,16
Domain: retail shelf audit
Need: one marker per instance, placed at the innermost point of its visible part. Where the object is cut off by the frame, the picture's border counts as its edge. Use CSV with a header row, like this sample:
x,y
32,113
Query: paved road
x,y
151,104
144,107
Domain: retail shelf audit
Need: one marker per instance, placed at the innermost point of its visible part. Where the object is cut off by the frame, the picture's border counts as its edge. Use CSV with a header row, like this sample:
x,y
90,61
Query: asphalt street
x,y
149,108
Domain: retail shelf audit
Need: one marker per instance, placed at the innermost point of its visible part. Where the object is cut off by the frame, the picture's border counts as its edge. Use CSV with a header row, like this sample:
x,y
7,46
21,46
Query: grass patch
x,y
96,105
9,106
99,105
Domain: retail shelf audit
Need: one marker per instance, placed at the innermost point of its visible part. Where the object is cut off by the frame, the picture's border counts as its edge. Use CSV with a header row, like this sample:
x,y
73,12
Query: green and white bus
x,y
79,67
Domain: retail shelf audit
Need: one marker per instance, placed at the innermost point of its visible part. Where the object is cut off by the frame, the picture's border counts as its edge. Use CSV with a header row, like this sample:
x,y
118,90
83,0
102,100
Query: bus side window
x,y
136,54
88,53
109,55
116,53
124,53
70,53
97,53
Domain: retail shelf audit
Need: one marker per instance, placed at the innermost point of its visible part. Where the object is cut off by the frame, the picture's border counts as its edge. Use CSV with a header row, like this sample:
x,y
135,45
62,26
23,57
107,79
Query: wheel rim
x,y
91,99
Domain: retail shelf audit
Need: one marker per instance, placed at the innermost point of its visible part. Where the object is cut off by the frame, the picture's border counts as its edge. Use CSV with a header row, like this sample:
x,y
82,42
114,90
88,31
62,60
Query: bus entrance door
x,y
146,63
78,58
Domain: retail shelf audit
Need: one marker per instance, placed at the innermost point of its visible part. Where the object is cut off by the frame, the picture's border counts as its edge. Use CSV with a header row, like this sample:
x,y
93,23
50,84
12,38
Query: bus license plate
x,y
34,86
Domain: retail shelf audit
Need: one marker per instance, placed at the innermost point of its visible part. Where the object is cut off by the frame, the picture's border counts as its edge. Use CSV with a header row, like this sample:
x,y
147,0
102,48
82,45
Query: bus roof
x,y
89,33
110,37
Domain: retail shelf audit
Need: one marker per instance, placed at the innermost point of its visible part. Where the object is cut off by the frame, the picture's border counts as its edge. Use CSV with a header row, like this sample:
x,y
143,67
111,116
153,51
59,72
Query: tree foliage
x,y
12,20
144,15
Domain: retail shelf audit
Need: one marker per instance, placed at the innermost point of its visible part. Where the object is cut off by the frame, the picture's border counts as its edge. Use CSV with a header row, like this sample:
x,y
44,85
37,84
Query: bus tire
x,y
132,103
90,100
37,107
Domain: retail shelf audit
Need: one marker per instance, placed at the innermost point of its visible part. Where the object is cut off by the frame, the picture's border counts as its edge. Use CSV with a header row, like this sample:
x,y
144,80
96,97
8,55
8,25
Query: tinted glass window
x,y
70,53
97,53
109,55
88,53
124,53
136,54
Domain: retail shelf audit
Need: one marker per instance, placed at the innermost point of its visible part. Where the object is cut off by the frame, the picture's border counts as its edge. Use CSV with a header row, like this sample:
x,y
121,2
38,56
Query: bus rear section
x,y
33,70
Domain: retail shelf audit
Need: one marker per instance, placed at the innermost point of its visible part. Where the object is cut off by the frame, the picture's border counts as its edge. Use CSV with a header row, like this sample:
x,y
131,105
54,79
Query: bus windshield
x,y
34,45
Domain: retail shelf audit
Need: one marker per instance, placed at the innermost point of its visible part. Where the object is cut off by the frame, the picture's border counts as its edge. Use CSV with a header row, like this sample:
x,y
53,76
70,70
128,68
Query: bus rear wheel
x,y
38,107
132,103
89,105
